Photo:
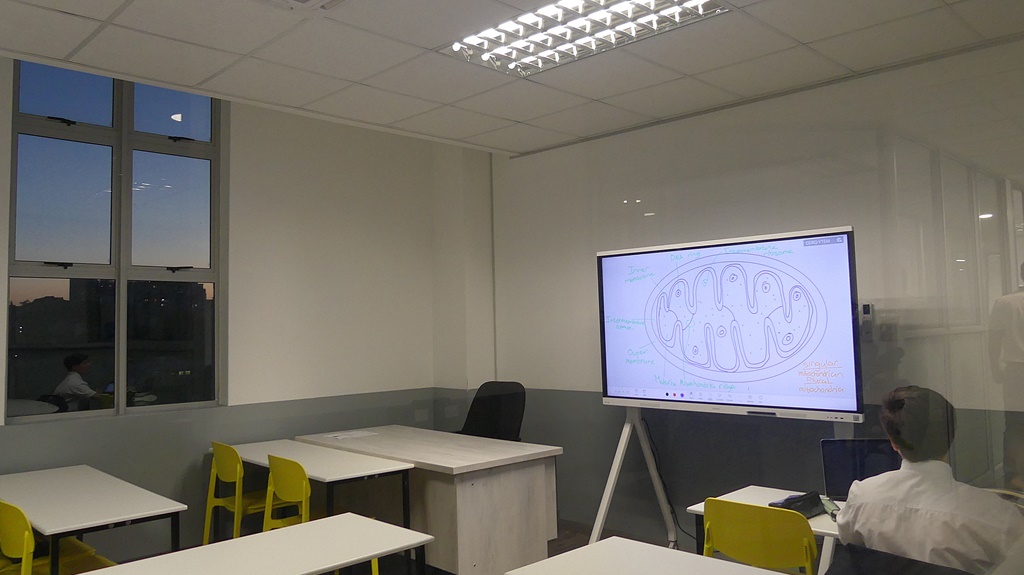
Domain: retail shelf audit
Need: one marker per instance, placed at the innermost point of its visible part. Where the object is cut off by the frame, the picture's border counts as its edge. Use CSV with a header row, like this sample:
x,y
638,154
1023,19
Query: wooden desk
x,y
617,556
330,466
491,504
305,549
822,525
76,500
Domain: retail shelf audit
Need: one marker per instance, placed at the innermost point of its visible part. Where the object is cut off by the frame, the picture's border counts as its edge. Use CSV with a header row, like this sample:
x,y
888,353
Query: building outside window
x,y
113,252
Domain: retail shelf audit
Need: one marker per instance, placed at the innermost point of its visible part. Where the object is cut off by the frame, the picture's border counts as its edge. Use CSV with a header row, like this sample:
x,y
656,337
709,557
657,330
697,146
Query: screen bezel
x,y
854,416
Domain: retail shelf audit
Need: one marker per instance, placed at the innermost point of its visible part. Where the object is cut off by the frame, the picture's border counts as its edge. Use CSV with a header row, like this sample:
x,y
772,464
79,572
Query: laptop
x,y
847,460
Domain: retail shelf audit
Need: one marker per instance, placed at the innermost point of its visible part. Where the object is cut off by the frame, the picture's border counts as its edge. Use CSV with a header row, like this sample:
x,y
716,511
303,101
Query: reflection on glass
x,y
170,342
170,211
63,201
172,113
49,91
49,320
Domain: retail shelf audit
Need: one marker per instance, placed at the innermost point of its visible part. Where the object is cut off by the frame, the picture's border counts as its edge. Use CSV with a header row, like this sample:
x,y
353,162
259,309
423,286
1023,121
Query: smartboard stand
x,y
633,422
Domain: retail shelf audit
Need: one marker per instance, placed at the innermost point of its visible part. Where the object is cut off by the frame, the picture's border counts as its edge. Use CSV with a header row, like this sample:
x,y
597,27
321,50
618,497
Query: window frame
x,y
124,141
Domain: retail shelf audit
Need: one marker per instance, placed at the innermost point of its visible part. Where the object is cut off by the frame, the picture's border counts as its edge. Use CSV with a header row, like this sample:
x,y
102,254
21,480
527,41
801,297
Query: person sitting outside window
x,y
73,388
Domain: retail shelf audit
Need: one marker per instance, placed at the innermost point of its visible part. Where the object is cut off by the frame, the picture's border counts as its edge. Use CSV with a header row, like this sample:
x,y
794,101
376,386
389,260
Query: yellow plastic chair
x,y
288,486
760,536
18,543
227,468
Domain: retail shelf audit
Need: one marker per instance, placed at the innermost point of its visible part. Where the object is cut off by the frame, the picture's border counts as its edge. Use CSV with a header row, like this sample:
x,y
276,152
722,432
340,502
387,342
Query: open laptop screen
x,y
847,460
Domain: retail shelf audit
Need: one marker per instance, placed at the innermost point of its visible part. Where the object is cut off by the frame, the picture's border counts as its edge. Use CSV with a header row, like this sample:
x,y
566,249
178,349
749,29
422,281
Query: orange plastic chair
x,y
227,468
17,542
760,536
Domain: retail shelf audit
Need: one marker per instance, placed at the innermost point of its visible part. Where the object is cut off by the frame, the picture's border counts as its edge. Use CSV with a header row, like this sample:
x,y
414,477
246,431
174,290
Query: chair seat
x,y
70,548
252,502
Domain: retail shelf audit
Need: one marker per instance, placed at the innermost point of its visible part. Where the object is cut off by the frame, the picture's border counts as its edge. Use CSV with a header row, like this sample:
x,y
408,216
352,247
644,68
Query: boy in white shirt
x,y
73,388
920,511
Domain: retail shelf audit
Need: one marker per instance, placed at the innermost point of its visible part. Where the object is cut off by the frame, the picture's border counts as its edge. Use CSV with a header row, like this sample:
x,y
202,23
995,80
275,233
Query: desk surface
x,y
315,547
615,556
321,463
439,451
757,495
71,499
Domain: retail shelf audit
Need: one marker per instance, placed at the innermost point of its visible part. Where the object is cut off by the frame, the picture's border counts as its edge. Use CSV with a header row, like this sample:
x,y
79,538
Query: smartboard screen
x,y
760,326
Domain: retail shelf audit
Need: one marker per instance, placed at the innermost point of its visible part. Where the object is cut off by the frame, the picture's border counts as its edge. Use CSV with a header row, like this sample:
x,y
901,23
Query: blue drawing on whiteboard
x,y
735,317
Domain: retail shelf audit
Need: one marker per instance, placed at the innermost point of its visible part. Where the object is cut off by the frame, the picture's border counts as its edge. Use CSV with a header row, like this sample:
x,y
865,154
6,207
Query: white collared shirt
x,y
919,511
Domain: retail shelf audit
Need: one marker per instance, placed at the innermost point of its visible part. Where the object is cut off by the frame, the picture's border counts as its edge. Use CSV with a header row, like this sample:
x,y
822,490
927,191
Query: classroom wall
x,y
803,161
358,261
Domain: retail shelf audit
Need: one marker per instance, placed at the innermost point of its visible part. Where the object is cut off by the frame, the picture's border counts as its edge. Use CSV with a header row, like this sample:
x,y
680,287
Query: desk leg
x,y
828,547
421,560
698,535
54,555
176,532
330,499
407,520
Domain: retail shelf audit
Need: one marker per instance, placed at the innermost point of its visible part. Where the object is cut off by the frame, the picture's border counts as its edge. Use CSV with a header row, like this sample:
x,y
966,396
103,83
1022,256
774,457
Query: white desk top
x,y
321,463
439,451
307,548
616,556
70,499
757,495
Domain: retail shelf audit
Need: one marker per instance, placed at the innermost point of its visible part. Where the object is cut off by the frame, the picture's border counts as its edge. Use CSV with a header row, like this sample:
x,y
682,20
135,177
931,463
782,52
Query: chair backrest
x,y
496,411
766,537
227,464
59,402
857,560
287,482
16,539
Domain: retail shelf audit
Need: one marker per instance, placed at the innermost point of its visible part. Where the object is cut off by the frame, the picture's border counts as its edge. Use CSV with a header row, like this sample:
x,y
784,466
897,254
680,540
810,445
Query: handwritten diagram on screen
x,y
765,322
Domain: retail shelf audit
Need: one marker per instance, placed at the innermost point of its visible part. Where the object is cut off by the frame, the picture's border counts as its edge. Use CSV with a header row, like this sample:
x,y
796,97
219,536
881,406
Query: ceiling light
x,y
984,216
568,30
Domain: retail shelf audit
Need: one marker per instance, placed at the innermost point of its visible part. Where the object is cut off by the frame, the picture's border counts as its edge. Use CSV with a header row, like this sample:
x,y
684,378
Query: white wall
x,y
347,248
735,173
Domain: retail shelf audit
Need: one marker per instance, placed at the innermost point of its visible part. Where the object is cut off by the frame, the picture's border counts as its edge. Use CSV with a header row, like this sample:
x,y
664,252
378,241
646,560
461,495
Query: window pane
x,y
63,201
170,342
172,113
48,91
50,320
170,211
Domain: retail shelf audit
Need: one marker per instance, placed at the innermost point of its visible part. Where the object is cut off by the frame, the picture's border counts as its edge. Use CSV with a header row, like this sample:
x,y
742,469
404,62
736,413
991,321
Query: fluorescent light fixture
x,y
984,216
568,30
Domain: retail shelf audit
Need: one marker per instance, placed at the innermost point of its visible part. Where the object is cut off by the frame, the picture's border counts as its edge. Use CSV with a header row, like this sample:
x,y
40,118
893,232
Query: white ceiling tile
x,y
946,120
438,78
99,9
780,71
30,30
590,120
673,98
520,138
234,25
606,74
712,43
993,18
742,3
125,51
897,41
371,105
526,5
977,63
263,81
336,49
810,20
451,123
520,100
1010,106
429,24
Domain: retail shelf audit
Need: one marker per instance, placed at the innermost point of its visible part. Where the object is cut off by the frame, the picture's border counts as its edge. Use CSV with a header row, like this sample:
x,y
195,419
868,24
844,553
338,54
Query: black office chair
x,y
496,411
54,400
856,560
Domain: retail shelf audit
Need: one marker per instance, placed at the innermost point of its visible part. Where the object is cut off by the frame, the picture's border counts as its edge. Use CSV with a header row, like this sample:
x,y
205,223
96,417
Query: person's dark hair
x,y
74,359
919,421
